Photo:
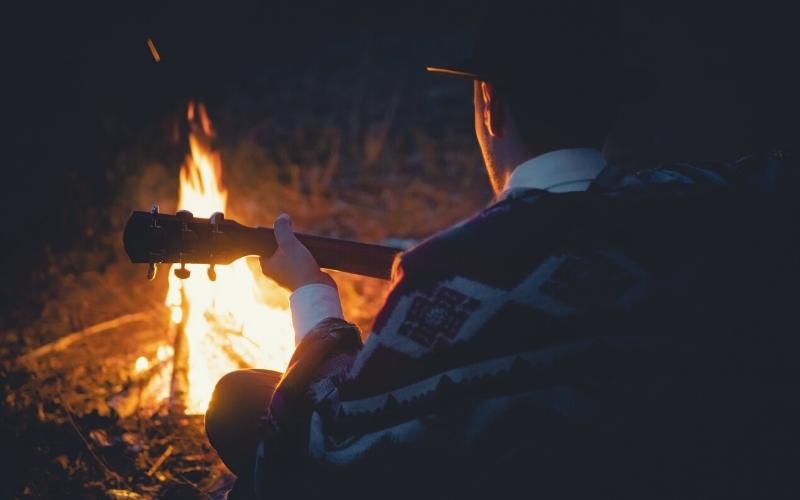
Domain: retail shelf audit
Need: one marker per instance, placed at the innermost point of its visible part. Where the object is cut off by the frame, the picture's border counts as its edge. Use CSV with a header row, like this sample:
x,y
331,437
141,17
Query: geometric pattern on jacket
x,y
549,337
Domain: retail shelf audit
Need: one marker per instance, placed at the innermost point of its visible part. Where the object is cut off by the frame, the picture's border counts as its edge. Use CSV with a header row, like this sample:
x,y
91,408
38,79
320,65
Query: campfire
x,y
106,388
238,320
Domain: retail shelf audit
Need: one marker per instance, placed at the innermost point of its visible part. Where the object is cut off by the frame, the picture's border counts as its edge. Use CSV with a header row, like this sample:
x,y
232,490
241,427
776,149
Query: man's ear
x,y
493,113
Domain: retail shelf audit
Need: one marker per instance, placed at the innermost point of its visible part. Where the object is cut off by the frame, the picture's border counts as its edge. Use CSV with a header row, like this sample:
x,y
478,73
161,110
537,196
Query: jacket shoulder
x,y
474,247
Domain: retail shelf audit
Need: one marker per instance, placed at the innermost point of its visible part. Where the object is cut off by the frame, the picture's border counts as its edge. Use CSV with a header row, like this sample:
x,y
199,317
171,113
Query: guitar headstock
x,y
154,238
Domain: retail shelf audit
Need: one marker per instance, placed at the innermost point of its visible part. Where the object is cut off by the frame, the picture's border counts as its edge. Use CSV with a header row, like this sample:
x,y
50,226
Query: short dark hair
x,y
564,63
562,117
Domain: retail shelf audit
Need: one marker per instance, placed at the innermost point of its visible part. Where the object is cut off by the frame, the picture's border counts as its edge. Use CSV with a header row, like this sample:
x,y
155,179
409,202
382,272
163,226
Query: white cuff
x,y
311,304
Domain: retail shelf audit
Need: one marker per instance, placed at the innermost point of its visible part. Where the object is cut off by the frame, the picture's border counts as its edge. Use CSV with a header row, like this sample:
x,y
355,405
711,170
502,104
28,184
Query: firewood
x,y
160,460
67,340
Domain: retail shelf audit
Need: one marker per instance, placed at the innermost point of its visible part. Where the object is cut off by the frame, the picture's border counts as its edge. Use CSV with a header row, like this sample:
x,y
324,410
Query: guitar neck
x,y
155,238
341,255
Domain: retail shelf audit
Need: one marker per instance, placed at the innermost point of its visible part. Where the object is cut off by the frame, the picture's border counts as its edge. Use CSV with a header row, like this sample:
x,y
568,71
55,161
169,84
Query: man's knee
x,y
237,403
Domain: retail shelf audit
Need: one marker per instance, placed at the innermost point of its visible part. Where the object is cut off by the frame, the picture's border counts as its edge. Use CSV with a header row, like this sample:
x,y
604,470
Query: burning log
x,y
145,388
179,385
235,357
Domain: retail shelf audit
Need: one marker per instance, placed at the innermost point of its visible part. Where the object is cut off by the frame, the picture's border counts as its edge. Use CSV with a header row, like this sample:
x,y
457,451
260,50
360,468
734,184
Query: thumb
x,y
283,231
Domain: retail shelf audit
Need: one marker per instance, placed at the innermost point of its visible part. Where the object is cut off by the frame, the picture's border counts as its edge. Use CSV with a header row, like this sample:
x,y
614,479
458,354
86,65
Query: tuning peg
x,y
151,271
188,236
212,273
182,272
216,218
184,216
154,213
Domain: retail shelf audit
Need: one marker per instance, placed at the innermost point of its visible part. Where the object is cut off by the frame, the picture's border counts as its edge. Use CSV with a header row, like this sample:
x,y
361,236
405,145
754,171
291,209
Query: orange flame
x,y
228,325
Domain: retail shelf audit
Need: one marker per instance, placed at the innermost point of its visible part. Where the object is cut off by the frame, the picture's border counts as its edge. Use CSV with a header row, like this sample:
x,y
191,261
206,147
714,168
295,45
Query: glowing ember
x,y
164,351
228,326
153,50
142,364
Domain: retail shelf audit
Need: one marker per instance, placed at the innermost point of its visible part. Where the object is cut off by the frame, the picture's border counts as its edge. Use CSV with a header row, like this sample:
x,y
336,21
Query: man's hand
x,y
292,265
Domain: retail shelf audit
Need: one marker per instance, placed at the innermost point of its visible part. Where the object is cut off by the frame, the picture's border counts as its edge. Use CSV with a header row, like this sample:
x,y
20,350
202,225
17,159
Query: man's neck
x,y
505,164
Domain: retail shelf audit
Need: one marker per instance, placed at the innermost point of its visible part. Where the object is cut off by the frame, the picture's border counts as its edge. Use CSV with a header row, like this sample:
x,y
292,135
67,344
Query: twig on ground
x,y
116,477
160,460
67,340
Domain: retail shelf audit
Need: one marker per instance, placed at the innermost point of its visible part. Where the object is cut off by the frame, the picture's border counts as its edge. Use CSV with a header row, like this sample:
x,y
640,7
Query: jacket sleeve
x,y
319,362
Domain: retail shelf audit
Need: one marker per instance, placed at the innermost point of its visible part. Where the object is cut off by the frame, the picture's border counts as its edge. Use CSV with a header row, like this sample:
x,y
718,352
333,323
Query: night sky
x,y
725,83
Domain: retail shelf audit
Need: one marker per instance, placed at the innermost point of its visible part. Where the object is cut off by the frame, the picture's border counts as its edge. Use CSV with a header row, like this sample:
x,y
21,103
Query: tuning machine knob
x,y
182,272
154,258
151,271
212,273
184,216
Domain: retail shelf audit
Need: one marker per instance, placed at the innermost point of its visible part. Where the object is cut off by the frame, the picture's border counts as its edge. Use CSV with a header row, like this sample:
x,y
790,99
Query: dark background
x,y
82,91
94,127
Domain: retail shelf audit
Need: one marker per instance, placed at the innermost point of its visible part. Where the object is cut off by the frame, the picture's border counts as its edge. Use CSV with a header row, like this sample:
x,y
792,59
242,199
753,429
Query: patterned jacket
x,y
613,343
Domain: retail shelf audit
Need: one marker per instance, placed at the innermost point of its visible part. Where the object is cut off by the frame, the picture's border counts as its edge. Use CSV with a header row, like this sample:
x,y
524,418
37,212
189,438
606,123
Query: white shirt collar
x,y
559,171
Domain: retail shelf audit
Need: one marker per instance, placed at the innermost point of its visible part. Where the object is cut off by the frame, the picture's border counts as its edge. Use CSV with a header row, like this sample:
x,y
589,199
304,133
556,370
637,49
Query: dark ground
x,y
95,128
